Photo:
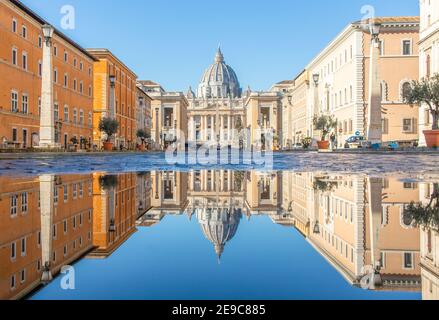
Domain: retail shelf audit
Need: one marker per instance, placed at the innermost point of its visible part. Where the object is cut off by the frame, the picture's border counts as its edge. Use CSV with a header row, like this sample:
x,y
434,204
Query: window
x,y
66,193
55,51
66,80
24,32
75,191
14,201
56,111
14,101
407,125
89,91
408,260
405,90
13,251
24,202
55,195
66,113
23,247
24,60
23,276
383,260
14,25
81,117
40,42
428,66
74,222
81,66
75,116
39,105
40,68
54,231
75,62
75,84
65,226
25,103
14,134
407,47
81,87
81,190
14,56
90,119
13,282
66,56
55,75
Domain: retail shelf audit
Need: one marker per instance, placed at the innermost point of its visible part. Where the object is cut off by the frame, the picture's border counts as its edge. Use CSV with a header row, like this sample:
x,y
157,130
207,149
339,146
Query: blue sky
x,y
173,41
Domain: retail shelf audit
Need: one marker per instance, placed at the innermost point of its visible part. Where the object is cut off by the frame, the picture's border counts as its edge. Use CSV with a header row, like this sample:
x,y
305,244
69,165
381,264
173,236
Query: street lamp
x,y
316,78
112,80
374,29
48,31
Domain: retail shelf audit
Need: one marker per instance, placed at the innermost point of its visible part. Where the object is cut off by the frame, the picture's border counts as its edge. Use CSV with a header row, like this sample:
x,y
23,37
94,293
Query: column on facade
x,y
222,127
229,180
229,127
212,119
203,126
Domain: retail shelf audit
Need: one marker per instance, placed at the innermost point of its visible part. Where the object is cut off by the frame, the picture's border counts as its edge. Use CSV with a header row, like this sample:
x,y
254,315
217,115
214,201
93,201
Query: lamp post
x,y
316,79
112,108
374,130
47,187
47,118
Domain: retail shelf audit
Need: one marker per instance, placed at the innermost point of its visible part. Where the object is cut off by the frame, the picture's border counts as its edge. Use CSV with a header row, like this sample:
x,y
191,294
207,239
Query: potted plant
x,y
320,184
426,92
109,126
306,142
324,124
143,135
74,143
108,182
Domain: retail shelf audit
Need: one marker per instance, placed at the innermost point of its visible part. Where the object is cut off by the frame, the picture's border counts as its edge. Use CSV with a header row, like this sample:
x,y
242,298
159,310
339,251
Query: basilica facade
x,y
219,112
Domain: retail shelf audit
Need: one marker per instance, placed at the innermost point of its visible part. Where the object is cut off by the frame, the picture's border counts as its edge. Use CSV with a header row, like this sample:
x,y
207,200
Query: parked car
x,y
392,145
356,142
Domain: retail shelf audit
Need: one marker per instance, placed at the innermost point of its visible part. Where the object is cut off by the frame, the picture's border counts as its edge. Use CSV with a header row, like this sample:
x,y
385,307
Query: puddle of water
x,y
217,234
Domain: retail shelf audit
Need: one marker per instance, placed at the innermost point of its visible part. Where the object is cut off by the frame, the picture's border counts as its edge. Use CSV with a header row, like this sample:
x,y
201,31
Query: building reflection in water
x,y
45,223
357,223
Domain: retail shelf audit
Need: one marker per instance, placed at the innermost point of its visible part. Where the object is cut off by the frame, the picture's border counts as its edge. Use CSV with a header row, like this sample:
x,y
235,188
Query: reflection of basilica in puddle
x,y
357,223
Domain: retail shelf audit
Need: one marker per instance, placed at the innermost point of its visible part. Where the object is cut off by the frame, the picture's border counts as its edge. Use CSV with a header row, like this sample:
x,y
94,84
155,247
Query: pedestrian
x,y
333,141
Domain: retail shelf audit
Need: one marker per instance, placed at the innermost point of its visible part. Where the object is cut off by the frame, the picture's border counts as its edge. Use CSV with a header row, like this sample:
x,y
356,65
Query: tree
x,y
109,126
325,124
425,215
426,92
143,135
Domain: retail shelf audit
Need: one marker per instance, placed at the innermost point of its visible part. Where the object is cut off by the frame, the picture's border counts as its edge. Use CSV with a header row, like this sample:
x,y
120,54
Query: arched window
x,y
405,88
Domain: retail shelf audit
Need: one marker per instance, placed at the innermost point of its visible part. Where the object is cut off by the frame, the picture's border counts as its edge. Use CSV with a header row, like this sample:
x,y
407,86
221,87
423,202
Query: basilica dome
x,y
220,226
219,80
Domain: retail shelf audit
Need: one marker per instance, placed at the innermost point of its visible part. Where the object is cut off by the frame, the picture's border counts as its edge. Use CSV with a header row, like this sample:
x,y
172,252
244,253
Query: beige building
x,y
264,119
143,112
358,225
429,251
168,115
428,55
337,81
